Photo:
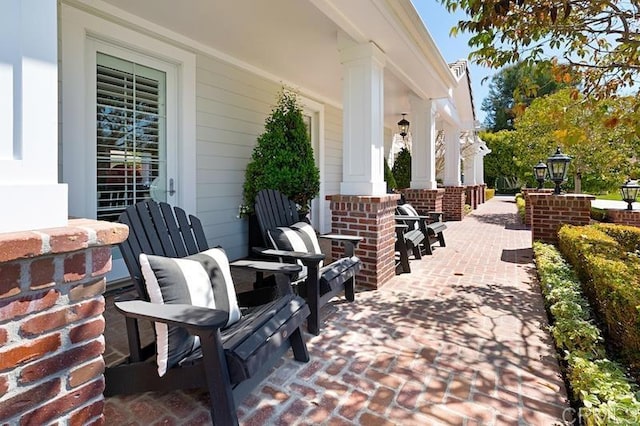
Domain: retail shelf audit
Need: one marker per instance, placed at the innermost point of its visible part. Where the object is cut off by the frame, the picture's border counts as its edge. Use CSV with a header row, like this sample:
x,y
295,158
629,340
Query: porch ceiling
x,y
296,41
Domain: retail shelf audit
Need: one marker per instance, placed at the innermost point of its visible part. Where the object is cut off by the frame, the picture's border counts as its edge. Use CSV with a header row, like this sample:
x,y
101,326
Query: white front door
x,y
128,119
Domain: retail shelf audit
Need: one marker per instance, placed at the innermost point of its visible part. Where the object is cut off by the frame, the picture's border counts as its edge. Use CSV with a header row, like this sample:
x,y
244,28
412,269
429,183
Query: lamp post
x,y
540,172
629,191
558,165
403,126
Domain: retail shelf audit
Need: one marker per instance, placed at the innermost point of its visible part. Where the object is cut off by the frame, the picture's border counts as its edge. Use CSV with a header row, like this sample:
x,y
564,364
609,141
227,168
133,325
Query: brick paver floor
x,y
462,340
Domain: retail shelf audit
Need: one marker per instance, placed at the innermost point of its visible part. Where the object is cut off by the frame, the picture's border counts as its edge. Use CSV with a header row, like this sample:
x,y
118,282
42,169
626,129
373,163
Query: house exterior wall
x,y
231,105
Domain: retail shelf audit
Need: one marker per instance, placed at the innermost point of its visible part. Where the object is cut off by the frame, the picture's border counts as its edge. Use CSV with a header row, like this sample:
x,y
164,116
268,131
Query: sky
x,y
439,22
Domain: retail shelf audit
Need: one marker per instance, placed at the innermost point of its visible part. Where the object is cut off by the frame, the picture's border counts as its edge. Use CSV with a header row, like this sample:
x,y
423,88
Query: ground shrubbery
x,y
605,258
520,204
489,193
606,395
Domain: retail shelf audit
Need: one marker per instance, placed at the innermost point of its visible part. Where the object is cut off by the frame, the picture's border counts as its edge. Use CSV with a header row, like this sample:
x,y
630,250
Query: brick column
x,y
550,212
479,195
471,194
484,192
425,200
527,205
371,217
624,217
51,323
453,202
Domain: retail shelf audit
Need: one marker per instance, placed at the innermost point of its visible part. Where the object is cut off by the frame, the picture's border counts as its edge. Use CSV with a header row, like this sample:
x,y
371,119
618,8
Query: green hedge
x,y
489,193
604,257
520,205
607,396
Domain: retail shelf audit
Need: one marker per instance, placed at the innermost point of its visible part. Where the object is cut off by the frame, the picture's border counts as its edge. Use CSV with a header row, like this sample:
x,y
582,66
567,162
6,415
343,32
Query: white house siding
x,y
333,156
231,105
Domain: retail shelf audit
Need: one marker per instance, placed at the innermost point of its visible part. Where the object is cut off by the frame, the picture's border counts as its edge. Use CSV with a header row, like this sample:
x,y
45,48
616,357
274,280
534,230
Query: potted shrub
x,y
282,159
402,169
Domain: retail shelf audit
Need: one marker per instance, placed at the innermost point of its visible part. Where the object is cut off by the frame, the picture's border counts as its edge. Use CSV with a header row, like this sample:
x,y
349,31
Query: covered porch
x,y
462,340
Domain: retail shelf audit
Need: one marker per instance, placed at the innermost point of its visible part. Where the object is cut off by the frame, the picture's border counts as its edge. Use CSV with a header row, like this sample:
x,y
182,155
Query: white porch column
x,y
470,164
423,134
451,156
363,126
30,193
479,168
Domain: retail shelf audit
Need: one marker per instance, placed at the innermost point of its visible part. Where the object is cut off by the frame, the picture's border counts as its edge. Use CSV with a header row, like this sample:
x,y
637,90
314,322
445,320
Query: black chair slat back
x,y
153,229
274,209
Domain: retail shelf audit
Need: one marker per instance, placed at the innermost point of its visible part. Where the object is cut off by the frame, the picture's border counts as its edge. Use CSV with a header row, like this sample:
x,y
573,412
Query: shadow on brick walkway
x,y
461,340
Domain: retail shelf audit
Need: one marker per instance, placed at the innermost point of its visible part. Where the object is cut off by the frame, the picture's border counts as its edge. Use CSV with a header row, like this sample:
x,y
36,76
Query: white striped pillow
x,y
299,237
203,280
408,210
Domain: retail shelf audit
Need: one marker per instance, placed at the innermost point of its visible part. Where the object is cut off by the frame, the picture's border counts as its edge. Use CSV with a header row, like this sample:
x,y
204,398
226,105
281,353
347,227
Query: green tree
x,y
598,135
501,164
389,178
283,157
402,168
597,39
513,88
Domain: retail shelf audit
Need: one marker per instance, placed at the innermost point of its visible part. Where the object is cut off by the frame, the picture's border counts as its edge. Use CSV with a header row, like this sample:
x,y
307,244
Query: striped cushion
x,y
408,210
203,280
300,237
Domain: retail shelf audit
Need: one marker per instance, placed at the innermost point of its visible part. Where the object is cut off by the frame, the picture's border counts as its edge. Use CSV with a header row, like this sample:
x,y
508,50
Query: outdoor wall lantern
x,y
558,164
540,172
403,126
630,192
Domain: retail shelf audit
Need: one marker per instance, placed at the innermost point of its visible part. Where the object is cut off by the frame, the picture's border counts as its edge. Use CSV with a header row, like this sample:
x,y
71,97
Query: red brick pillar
x,y
371,217
425,200
550,212
527,205
51,323
479,192
624,217
483,193
453,202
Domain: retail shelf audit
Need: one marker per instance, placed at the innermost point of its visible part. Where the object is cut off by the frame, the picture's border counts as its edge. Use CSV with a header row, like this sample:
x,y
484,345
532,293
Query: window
x,y
131,135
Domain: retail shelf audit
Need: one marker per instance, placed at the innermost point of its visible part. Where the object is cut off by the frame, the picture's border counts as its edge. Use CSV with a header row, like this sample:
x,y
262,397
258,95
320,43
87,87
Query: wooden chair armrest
x,y
350,242
305,258
262,266
196,319
411,218
337,237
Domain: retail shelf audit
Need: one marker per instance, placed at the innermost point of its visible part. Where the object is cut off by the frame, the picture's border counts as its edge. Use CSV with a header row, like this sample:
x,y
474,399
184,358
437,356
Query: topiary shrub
x,y
283,157
402,169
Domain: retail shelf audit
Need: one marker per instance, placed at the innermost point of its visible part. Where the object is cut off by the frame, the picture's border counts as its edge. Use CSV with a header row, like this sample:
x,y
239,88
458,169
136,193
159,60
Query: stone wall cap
x,y
362,198
78,235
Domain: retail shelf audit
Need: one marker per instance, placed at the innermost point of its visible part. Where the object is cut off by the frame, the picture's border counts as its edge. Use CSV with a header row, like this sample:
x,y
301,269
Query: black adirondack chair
x,y
320,284
423,231
233,359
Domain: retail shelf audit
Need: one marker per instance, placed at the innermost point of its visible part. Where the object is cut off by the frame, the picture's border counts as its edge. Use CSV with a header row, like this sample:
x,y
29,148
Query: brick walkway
x,y
461,340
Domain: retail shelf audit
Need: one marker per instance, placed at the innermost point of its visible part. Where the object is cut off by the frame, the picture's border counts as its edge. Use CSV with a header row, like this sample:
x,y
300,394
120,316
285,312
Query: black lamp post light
x,y
629,191
540,172
556,169
403,126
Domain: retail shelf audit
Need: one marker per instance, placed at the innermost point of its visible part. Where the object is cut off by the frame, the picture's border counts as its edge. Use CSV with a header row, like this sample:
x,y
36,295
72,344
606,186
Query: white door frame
x,y
81,34
316,111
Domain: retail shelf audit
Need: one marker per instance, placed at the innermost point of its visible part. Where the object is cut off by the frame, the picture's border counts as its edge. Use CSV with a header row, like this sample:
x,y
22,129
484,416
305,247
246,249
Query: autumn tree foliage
x,y
599,135
597,39
514,87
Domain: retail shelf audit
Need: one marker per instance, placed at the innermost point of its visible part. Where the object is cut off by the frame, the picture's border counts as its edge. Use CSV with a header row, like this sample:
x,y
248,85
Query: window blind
x,y
130,141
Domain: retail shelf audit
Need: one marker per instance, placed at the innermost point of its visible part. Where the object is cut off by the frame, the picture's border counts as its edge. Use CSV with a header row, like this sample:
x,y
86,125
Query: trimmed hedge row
x,y
521,206
489,193
605,258
607,396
